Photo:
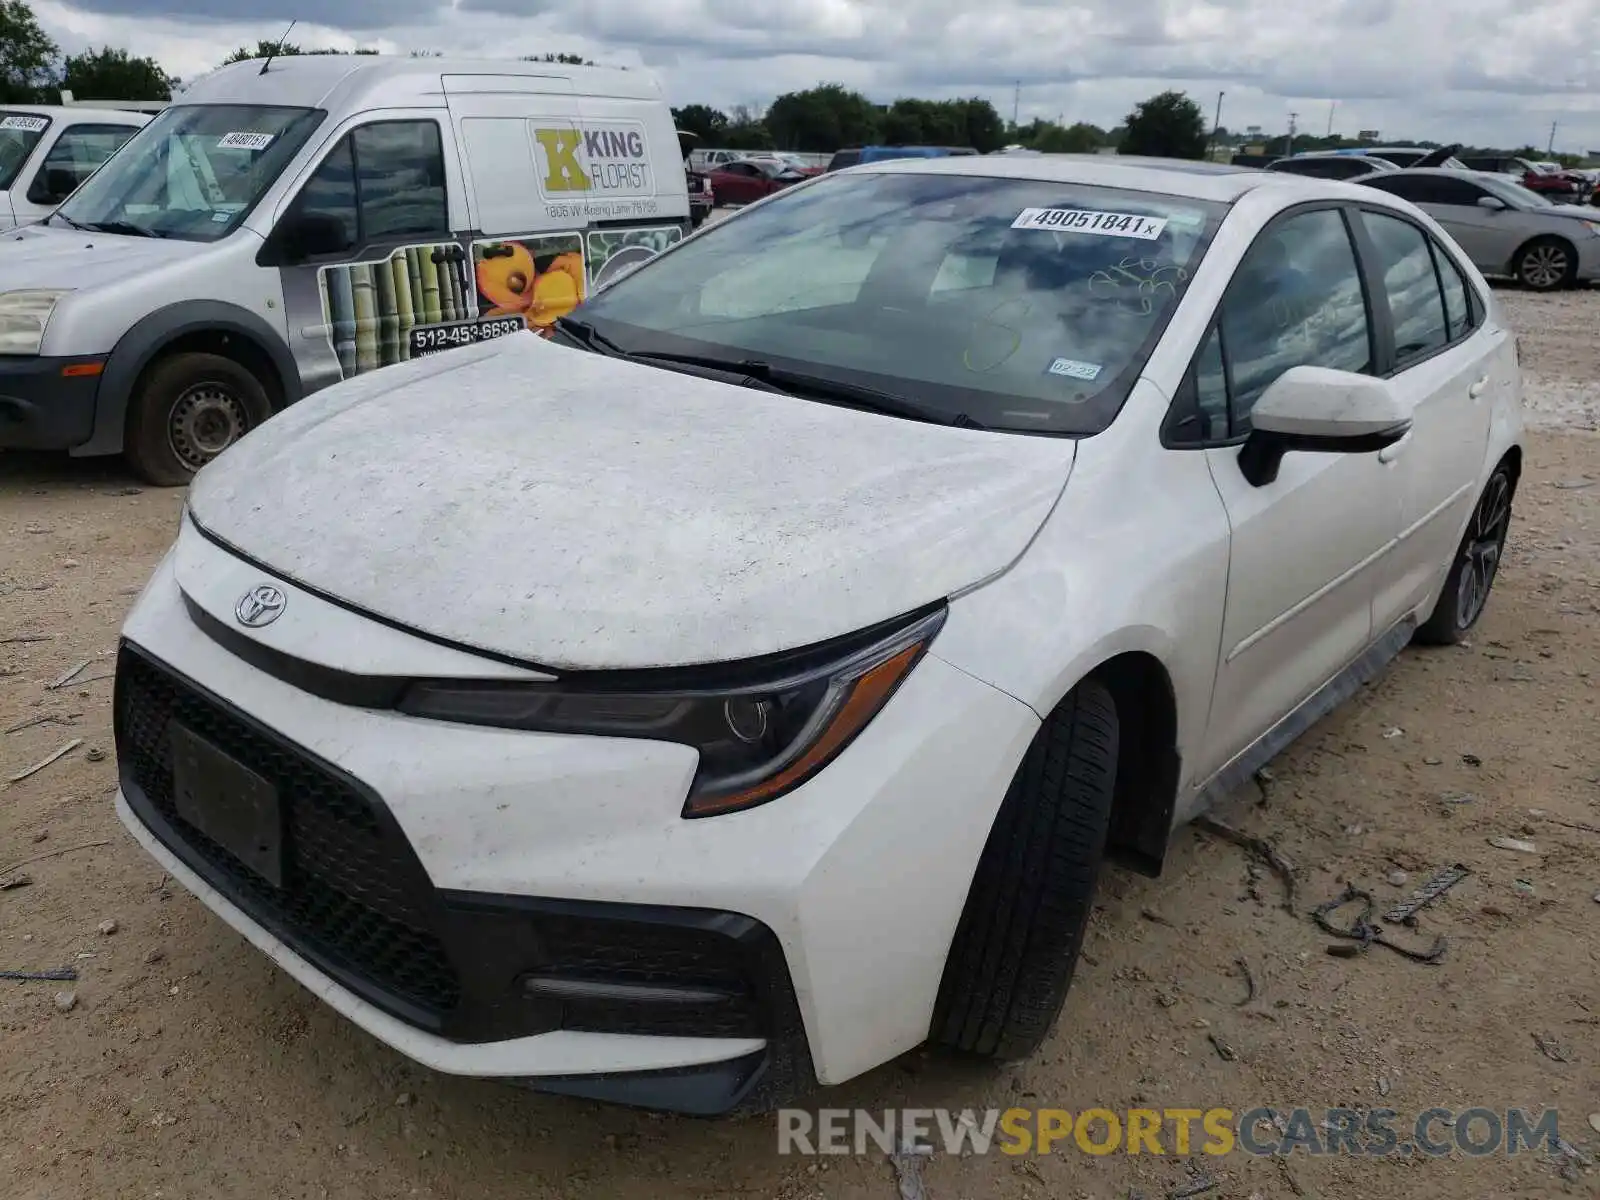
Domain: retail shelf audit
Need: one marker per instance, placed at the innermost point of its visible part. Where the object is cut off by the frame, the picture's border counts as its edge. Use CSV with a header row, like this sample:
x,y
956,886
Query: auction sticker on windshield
x,y
1079,220
26,124
244,141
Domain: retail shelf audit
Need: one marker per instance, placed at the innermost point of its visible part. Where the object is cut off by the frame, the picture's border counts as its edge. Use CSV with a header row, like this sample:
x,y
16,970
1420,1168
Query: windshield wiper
x,y
818,387
123,227
589,337
61,216
815,387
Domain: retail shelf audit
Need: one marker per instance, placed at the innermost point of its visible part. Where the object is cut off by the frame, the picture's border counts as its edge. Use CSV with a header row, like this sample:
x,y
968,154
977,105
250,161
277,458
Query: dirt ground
x,y
189,1066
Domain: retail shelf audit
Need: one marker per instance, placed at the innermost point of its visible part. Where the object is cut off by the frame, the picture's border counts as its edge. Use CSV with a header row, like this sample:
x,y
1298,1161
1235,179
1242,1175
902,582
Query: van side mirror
x,y
302,235
1492,203
1322,411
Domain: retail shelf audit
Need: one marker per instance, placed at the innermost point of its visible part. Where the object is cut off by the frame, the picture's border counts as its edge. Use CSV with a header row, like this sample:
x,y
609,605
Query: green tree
x,y
985,131
823,118
1080,138
27,56
705,122
109,74
1168,125
266,48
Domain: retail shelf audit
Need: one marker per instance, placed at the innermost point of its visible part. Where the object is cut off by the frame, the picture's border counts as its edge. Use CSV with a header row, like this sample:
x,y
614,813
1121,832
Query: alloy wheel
x,y
1485,543
1544,266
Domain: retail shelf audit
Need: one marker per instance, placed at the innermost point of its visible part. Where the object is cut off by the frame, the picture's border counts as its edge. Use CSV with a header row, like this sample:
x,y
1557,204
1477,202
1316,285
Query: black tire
x,y
1477,562
187,409
1017,942
1545,264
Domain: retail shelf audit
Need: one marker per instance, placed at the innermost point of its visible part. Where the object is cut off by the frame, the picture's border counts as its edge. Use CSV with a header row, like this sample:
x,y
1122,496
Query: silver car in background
x,y
1504,228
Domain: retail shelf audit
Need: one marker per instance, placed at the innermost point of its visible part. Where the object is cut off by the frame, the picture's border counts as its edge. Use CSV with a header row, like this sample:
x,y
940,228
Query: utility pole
x,y
1216,125
1332,104
1550,150
1289,147
1016,103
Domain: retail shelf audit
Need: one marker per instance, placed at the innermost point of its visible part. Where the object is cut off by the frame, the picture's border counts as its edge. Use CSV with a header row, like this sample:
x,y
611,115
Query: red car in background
x,y
1553,185
750,179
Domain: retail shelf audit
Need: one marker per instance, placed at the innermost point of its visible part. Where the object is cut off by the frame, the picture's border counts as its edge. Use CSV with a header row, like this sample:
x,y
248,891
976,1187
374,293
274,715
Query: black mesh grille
x,y
354,896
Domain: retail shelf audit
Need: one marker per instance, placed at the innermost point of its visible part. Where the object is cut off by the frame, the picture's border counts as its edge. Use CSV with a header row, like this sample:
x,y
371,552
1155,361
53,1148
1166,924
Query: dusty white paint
x,y
579,511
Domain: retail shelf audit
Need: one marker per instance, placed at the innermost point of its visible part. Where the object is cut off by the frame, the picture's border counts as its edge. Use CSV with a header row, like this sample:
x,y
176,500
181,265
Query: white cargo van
x,y
291,222
46,151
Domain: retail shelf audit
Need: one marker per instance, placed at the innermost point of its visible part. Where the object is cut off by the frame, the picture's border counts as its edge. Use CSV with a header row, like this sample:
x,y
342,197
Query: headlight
x,y
23,316
762,729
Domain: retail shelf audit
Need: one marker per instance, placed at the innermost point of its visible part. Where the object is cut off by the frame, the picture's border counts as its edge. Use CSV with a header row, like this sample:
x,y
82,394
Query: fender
x,y
152,334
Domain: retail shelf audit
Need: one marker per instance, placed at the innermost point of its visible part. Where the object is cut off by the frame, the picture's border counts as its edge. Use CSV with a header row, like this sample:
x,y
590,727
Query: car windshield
x,y
19,134
192,173
1022,305
1512,192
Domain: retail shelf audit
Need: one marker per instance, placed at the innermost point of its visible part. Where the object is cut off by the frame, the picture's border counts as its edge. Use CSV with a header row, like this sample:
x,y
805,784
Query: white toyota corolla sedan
x,y
747,684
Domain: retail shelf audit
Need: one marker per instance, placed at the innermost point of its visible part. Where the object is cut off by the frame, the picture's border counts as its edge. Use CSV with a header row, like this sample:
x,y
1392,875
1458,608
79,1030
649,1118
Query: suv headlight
x,y
762,728
23,316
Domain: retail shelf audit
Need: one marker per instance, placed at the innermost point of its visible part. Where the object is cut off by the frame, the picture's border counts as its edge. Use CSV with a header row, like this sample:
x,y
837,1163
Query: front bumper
x,y
432,869
40,408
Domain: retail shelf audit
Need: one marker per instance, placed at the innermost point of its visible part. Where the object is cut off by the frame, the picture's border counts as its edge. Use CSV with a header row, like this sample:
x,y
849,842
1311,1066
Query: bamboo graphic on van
x,y
386,312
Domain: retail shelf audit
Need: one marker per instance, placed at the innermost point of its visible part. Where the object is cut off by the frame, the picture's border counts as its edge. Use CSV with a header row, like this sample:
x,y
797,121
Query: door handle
x,y
1394,450
1476,389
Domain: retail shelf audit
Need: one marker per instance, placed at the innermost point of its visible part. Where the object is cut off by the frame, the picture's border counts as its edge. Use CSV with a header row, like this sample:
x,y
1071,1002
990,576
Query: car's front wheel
x,y
1477,562
1017,942
1546,264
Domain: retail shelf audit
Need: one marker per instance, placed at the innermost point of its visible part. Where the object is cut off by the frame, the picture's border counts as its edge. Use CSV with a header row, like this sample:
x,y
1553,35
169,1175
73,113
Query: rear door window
x,y
1411,285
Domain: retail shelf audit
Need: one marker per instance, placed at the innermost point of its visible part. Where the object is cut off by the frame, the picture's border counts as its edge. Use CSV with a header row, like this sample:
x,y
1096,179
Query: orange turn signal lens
x,y
82,370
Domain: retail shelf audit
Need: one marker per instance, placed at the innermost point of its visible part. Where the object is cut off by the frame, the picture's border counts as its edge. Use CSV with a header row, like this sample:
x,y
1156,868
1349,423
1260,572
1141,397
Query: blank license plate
x,y
228,802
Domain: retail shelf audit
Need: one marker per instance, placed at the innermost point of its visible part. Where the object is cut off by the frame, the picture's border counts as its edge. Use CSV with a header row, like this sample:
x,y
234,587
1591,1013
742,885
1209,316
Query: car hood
x,y
581,512
45,256
1578,211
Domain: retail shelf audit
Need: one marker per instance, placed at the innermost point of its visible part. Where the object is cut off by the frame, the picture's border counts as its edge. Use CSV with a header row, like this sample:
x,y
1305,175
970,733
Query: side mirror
x,y
54,186
303,235
1321,411
1492,203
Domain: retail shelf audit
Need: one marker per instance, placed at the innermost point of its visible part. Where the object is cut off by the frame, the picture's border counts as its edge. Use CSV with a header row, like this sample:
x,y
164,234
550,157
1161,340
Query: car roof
x,y
1221,182
374,80
81,112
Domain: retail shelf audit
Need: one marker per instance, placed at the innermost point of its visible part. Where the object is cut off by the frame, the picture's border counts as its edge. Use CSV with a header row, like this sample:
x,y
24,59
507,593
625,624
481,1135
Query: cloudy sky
x,y
1478,71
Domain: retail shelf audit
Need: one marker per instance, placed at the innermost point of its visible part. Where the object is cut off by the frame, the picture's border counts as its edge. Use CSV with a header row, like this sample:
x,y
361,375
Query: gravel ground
x,y
188,1066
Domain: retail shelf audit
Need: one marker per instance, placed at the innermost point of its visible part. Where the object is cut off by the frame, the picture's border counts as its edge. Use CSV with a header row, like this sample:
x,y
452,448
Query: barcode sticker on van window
x,y
245,141
1080,220
26,124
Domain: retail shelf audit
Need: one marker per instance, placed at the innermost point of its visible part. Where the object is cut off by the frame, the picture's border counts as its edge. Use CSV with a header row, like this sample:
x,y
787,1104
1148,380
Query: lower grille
x,y
354,897
356,902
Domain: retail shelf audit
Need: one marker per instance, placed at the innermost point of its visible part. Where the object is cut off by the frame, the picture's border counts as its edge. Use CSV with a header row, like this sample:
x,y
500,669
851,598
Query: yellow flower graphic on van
x,y
511,282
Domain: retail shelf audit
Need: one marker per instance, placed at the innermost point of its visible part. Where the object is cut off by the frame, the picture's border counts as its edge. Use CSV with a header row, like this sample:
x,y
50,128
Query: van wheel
x,y
188,409
1015,947
1545,264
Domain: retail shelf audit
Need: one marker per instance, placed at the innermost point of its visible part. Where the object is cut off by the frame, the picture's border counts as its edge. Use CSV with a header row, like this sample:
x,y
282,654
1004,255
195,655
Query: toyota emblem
x,y
261,605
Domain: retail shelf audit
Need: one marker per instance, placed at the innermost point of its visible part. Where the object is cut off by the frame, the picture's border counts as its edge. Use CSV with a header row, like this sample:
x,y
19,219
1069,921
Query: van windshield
x,y
193,173
19,134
